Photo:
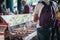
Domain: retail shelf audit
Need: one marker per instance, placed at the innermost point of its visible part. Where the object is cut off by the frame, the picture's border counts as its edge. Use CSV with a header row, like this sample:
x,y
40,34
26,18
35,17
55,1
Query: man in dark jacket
x,y
44,15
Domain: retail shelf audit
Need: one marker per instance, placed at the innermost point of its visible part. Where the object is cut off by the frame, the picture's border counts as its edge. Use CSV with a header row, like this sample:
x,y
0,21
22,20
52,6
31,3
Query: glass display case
x,y
17,19
20,26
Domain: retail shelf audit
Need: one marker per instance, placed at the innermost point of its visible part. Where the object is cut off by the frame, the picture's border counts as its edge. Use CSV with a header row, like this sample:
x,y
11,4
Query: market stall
x,y
19,26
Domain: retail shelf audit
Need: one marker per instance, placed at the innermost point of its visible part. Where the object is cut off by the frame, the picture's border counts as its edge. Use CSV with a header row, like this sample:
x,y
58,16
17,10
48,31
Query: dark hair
x,y
39,2
1,1
24,1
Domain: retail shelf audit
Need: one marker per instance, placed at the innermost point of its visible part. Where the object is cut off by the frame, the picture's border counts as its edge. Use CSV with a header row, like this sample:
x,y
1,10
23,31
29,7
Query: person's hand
x,y
8,11
1,14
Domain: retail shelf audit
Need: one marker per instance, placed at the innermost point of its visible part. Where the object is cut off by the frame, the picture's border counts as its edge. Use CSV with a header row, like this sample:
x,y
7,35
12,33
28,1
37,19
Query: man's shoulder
x,y
39,5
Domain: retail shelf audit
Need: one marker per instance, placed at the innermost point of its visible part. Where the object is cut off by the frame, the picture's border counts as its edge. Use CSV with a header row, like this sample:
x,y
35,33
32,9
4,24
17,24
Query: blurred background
x,y
16,5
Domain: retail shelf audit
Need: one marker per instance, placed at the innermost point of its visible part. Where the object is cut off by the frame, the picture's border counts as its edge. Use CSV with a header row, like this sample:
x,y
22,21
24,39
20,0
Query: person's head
x,y
23,3
46,0
1,2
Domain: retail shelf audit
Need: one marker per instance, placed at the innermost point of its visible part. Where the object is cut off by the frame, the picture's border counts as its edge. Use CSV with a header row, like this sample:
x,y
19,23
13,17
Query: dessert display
x,y
31,27
19,25
23,30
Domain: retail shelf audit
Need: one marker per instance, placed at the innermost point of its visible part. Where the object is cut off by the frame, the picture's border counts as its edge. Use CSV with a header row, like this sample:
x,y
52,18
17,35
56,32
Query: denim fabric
x,y
43,33
48,33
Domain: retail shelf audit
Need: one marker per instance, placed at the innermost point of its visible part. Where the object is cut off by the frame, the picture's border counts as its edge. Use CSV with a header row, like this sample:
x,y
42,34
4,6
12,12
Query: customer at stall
x,y
26,8
1,6
3,10
44,17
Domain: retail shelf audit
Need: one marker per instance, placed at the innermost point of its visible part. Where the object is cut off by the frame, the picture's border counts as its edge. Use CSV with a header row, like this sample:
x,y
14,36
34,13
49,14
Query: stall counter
x,y
30,36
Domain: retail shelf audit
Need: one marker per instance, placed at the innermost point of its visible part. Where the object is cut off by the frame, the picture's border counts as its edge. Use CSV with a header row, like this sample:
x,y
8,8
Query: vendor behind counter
x,y
27,9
